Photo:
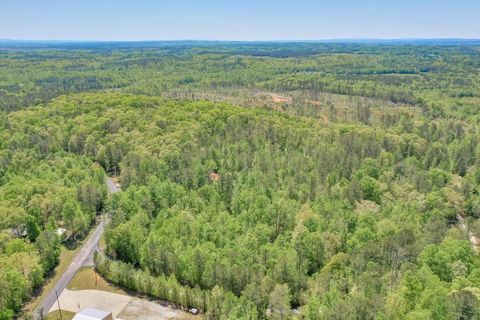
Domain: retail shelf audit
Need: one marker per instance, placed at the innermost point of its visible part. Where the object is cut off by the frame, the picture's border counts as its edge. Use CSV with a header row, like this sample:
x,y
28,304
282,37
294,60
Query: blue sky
x,y
237,20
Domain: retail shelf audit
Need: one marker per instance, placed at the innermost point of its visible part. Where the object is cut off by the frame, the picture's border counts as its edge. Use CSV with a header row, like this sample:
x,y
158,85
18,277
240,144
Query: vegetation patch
x,y
89,279
60,315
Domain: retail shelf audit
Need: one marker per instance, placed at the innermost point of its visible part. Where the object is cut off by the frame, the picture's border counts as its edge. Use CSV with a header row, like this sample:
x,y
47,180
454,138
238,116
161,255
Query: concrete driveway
x,y
121,306
75,300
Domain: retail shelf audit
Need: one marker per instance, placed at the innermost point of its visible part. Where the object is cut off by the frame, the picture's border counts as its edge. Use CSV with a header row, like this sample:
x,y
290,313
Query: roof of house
x,y
61,231
91,314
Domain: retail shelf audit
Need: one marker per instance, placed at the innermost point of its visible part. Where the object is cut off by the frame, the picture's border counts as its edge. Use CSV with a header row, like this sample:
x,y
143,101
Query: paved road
x,y
84,257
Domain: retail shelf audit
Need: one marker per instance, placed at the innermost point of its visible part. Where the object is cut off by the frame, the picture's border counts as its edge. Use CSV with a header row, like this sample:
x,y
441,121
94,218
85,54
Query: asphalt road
x,y
84,257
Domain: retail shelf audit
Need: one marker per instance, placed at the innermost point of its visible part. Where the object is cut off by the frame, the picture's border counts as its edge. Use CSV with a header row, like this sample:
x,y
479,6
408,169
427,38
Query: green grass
x,y
87,278
55,315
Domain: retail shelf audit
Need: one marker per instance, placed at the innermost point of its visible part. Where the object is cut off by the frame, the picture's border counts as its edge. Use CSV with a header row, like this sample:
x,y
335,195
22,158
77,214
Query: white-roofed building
x,y
93,314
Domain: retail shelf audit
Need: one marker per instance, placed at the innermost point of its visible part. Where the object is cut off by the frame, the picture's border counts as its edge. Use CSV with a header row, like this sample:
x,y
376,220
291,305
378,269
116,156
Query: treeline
x,y
215,304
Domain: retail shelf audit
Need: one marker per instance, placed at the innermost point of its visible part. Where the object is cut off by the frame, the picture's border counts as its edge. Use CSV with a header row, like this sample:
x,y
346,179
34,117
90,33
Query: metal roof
x,y
91,314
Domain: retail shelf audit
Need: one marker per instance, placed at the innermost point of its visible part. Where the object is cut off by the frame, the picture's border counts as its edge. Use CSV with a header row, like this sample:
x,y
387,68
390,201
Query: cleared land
x,y
88,289
121,306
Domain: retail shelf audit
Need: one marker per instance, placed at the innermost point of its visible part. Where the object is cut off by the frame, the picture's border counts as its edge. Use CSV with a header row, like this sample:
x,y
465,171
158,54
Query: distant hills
x,y
65,44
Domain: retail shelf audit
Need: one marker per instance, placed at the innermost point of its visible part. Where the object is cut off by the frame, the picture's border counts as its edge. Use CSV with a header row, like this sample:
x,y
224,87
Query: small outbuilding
x,y
61,231
93,314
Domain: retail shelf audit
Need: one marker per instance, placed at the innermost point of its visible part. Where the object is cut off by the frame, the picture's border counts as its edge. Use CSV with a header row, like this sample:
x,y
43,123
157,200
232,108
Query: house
x,y
93,314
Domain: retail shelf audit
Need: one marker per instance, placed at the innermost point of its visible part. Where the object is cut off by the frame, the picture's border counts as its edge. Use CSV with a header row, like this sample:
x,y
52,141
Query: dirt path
x,y
139,309
475,241
279,98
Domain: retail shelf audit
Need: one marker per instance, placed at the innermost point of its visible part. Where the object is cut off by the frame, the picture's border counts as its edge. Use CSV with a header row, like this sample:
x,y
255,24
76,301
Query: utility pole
x,y
58,302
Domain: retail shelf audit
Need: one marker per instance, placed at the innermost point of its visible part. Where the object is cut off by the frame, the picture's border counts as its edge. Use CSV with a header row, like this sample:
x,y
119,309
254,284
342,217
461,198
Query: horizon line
x,y
248,40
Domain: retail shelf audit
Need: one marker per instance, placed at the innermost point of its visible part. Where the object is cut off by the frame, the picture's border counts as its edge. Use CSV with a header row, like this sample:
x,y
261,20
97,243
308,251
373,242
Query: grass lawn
x,y
55,315
87,278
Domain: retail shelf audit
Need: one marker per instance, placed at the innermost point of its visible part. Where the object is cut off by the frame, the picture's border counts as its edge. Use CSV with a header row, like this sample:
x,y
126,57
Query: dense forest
x,y
260,181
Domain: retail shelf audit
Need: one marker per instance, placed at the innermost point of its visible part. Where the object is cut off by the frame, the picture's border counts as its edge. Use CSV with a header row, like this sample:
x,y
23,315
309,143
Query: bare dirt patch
x,y
115,179
279,98
139,309
214,176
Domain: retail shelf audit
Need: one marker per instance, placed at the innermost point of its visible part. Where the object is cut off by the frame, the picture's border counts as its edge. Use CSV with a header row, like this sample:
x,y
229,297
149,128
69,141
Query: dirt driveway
x,y
146,310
